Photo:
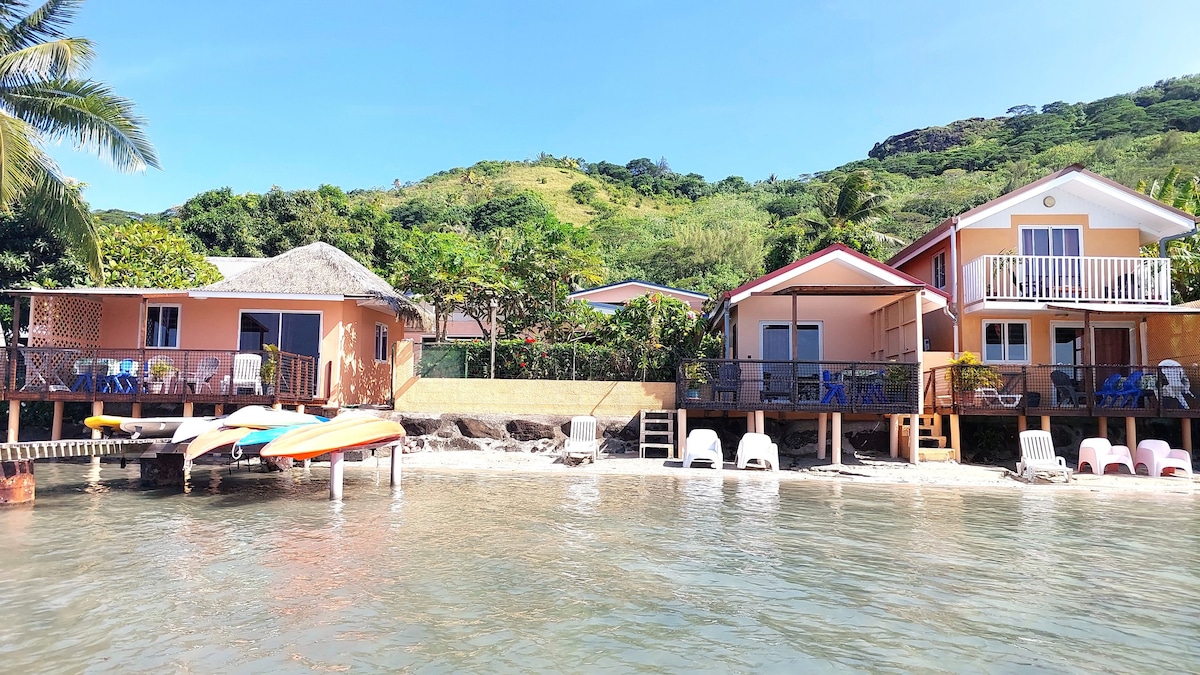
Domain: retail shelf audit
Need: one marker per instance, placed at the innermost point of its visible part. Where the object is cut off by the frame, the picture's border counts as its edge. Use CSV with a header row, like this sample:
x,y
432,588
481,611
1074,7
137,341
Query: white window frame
x,y
1004,334
380,327
791,344
940,256
1021,236
178,319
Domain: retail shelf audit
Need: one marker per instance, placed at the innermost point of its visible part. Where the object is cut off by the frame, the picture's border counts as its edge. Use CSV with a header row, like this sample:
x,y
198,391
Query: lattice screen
x,y
1173,336
64,322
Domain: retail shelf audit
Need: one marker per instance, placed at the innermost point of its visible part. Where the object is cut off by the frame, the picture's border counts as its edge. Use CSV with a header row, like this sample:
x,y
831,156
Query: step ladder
x,y
657,432
931,442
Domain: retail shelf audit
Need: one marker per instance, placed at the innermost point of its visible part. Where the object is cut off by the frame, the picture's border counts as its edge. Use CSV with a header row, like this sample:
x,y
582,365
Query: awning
x,y
1122,308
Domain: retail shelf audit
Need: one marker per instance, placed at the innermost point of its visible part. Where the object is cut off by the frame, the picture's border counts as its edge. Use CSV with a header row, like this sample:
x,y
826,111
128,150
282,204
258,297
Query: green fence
x,y
542,361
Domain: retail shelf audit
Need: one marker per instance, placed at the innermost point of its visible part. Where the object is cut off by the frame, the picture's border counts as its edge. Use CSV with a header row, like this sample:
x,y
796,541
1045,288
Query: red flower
x,y
544,354
530,340
522,364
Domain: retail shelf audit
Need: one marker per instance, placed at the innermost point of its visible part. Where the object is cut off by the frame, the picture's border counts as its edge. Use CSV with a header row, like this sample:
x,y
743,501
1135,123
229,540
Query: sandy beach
x,y
859,469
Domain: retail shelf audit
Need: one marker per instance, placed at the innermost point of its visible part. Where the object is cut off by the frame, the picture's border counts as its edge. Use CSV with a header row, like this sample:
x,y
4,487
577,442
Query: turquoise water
x,y
502,573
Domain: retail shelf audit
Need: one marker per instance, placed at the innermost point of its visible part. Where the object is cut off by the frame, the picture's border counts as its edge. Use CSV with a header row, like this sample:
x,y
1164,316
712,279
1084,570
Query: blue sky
x,y
257,93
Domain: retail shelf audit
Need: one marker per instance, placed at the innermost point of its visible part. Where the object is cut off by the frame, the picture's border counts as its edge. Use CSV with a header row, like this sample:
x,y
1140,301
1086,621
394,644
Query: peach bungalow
x,y
311,326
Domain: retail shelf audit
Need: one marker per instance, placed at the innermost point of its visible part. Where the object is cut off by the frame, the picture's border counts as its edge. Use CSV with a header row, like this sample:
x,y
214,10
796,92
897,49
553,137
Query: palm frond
x,y
46,61
47,22
90,115
20,159
60,206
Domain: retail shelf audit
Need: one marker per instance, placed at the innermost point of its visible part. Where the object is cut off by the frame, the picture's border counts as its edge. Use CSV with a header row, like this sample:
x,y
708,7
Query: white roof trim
x,y
922,248
833,256
644,284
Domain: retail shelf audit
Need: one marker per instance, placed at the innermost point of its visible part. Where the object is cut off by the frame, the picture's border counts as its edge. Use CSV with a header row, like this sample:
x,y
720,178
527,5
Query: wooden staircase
x,y
657,432
930,439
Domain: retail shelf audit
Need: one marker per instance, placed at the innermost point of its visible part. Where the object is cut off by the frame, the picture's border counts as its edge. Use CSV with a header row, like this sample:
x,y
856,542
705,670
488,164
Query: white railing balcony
x,y
1044,278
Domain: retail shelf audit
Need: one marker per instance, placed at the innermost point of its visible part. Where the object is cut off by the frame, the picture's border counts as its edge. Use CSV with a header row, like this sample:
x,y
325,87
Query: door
x,y
293,332
1057,274
1112,346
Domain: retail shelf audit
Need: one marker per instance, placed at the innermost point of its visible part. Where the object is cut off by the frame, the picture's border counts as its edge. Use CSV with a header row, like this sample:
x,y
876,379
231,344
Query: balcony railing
x,y
802,386
1101,391
1044,278
156,375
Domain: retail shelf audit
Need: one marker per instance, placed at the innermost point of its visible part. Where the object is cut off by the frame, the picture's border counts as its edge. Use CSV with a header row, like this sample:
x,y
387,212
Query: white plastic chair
x,y
1099,454
1177,385
1037,454
246,373
703,446
1158,456
758,448
583,443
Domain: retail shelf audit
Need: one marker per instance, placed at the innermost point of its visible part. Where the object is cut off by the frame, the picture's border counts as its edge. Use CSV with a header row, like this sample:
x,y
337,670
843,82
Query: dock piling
x,y
336,473
396,453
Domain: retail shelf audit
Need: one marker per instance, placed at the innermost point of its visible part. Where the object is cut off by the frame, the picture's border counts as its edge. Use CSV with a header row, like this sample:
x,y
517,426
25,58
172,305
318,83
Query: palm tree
x,y
43,99
852,202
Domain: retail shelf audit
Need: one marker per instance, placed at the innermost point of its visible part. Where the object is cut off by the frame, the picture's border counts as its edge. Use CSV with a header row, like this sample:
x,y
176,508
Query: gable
x,y
837,265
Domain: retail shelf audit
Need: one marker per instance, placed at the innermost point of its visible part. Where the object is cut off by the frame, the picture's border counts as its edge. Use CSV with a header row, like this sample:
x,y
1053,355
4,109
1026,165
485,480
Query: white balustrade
x,y
1046,278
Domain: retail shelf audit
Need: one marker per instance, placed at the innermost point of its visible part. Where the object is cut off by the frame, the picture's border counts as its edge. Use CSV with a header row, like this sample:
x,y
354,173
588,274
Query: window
x,y
381,342
162,326
939,271
1056,241
776,342
1006,342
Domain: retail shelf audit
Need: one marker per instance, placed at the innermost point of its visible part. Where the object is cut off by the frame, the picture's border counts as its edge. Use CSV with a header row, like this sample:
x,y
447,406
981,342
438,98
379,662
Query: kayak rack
x,y
23,452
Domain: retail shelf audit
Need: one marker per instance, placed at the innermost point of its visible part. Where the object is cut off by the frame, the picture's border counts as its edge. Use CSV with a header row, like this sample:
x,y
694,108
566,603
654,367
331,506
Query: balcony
x,y
156,376
798,386
1040,278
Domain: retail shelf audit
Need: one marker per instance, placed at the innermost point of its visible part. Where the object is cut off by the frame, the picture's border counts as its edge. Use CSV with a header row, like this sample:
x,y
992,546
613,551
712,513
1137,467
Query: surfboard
x,y
264,436
194,427
213,439
261,417
353,433
138,427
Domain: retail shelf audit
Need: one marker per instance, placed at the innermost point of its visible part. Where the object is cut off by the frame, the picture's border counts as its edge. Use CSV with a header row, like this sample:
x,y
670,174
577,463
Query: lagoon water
x,y
474,572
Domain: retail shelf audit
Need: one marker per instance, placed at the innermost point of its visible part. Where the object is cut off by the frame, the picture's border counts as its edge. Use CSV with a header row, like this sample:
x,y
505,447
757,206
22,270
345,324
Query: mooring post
x,y
14,421
336,471
835,445
97,410
396,453
57,421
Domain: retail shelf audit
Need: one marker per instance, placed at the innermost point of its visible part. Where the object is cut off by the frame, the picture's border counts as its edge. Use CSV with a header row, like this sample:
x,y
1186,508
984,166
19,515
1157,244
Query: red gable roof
x,y
826,251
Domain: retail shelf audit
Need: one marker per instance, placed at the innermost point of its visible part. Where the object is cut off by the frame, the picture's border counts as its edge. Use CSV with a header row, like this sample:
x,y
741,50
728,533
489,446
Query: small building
x,y
311,326
608,297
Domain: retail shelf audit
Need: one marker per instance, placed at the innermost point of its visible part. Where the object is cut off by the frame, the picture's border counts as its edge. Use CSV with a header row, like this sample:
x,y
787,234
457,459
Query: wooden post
x,y
1045,423
1103,431
894,436
97,410
835,449
1022,423
1131,433
397,453
189,409
307,464
914,439
1186,424
336,473
137,410
822,434
300,408
56,424
760,421
750,417
219,409
680,432
14,420
955,438
277,406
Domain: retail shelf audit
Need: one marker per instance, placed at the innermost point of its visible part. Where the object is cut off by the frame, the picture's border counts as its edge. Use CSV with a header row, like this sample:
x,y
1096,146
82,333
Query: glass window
x,y
162,326
939,271
777,342
381,342
1006,341
1068,346
1056,241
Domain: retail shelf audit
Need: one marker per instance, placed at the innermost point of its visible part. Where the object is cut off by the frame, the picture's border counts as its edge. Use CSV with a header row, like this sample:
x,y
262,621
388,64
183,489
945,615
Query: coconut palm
x,y
852,202
43,99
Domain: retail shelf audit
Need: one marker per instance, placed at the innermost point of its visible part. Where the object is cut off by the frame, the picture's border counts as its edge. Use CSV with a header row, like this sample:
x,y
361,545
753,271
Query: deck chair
x,y
204,372
1099,454
1064,389
990,396
758,448
833,390
728,382
1106,395
1159,457
1177,385
703,446
1037,454
1130,393
246,373
582,444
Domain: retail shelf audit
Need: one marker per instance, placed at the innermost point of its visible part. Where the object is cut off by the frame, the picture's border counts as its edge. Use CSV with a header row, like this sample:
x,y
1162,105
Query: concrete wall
x,y
535,397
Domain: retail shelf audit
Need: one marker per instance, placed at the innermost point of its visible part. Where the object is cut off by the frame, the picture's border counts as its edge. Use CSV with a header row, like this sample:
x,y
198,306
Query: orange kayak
x,y
329,437
213,439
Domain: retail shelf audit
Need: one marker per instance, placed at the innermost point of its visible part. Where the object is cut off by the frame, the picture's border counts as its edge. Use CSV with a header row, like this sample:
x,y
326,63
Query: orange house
x,y
310,326
611,296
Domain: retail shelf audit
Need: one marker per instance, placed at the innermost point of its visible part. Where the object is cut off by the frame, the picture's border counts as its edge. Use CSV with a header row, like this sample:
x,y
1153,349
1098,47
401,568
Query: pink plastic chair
x,y
1099,454
1158,456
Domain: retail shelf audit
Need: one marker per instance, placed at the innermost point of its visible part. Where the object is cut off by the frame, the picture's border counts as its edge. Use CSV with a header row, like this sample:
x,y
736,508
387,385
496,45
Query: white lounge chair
x,y
1177,384
1037,454
583,443
1099,454
1158,456
703,446
758,448
990,396
247,369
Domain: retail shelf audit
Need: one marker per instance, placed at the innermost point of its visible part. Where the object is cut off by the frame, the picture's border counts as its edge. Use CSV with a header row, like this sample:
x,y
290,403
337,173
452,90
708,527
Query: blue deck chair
x,y
832,389
1130,394
1107,394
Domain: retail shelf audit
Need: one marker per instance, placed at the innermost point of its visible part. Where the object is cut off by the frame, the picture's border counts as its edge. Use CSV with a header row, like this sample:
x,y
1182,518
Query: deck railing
x,y
1067,279
1100,391
157,375
802,386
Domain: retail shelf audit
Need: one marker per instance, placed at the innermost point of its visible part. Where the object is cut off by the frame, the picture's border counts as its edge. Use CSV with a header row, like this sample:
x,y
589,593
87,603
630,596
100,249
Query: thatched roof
x,y
319,269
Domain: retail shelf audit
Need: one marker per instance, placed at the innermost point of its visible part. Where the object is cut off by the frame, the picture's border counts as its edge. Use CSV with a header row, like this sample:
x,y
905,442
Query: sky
x,y
257,93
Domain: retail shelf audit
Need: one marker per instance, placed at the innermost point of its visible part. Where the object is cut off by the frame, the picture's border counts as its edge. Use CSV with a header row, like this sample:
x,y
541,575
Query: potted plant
x,y
160,372
967,374
269,367
695,374
897,380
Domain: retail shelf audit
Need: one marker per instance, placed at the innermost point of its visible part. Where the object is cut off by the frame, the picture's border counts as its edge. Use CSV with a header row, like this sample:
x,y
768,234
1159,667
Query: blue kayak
x,y
264,436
